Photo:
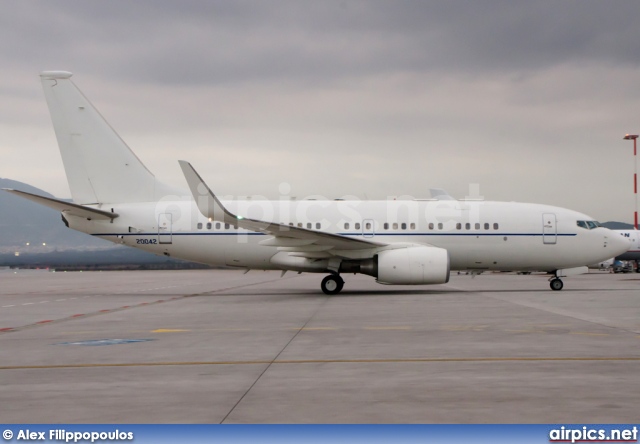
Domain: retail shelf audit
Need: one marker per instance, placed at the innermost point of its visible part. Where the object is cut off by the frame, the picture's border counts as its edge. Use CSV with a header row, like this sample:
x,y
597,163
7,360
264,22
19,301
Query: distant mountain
x,y
23,221
25,226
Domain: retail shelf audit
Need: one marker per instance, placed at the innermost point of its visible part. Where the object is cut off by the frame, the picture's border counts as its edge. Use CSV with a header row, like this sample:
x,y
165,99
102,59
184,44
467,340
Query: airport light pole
x,y
634,137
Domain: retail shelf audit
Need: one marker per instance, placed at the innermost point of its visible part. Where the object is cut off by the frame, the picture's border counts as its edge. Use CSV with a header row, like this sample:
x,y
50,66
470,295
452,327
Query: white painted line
x,y
44,302
60,300
28,303
7,306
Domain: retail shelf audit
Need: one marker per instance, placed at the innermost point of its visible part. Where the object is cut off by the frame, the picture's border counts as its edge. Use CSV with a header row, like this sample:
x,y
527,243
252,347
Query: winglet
x,y
207,202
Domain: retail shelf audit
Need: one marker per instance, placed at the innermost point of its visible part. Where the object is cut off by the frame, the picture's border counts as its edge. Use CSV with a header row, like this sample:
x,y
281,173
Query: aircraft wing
x,y
287,237
65,207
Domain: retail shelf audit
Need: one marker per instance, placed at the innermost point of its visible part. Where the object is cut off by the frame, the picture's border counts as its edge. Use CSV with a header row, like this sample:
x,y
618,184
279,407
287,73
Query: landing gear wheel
x,y
332,284
556,284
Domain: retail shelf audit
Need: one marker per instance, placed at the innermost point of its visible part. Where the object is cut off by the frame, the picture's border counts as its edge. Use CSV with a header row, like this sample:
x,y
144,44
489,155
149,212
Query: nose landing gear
x,y
332,284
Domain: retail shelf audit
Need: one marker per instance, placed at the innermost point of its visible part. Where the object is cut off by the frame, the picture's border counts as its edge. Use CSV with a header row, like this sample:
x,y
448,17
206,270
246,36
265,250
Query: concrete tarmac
x,y
223,347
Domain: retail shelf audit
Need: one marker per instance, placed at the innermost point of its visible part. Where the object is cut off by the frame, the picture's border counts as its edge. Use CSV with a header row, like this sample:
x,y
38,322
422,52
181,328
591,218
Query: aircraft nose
x,y
618,244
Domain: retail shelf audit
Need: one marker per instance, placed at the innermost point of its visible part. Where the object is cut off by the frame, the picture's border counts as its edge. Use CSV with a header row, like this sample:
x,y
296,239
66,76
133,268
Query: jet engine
x,y
413,266
404,266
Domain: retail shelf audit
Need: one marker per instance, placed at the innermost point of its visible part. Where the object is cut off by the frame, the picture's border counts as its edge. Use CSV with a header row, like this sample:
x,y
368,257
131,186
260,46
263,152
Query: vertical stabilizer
x,y
100,167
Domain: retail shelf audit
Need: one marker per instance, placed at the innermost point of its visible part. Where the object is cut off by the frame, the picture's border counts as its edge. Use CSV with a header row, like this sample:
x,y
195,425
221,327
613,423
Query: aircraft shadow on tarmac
x,y
344,293
400,292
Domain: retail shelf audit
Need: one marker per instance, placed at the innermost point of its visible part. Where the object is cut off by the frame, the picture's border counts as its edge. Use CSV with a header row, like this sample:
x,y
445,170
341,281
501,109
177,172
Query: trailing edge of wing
x,y
210,206
65,207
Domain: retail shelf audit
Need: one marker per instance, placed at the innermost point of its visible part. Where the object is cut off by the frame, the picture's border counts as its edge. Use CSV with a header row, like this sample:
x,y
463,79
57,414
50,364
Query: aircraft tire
x,y
556,284
332,284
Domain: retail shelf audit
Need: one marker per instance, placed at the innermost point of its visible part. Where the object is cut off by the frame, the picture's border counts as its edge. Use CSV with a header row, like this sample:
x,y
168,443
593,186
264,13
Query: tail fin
x,y
100,167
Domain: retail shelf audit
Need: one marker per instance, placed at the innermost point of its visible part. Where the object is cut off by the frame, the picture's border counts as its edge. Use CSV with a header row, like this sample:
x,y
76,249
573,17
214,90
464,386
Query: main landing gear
x,y
332,284
556,284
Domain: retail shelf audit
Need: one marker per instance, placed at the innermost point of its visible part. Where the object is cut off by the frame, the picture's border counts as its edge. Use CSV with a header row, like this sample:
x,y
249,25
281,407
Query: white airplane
x,y
602,265
633,253
409,242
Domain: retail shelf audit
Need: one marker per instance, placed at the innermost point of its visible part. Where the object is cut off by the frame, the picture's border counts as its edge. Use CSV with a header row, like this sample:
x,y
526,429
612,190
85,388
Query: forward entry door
x,y
549,228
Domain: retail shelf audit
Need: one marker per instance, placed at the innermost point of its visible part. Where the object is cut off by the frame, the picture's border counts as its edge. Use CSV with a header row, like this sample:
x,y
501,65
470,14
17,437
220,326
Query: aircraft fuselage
x,y
479,235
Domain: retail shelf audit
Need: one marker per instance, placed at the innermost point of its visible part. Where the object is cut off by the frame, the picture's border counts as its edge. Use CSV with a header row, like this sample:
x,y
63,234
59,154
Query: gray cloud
x,y
526,98
318,42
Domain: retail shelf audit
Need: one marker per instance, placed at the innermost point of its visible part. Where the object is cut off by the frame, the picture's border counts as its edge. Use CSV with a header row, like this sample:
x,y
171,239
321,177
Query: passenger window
x,y
299,224
226,226
477,226
395,225
467,226
431,225
217,225
440,226
308,224
368,225
346,226
357,225
458,226
386,225
413,226
208,225
199,225
495,226
317,225
486,226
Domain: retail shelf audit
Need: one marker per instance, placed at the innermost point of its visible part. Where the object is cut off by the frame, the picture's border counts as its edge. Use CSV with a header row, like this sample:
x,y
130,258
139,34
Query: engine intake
x,y
413,266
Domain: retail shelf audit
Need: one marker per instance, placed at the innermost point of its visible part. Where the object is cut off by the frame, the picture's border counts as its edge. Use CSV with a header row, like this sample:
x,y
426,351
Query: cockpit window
x,y
588,224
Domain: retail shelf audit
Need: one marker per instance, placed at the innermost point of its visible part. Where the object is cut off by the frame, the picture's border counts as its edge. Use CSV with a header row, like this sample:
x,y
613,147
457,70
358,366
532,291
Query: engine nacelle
x,y
413,266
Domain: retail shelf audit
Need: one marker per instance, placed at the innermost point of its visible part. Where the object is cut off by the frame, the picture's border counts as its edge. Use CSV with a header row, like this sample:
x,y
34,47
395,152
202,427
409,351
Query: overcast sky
x,y
528,99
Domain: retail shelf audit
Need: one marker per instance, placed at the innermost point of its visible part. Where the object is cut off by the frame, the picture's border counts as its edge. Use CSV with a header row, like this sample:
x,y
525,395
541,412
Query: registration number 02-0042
x,y
147,241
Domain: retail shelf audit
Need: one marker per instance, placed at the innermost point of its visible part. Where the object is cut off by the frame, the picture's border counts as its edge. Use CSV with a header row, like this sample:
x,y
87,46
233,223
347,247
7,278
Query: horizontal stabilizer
x,y
65,207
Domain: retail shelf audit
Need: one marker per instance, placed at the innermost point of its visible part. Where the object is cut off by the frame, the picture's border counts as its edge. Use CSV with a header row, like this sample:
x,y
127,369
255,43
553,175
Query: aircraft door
x,y
549,228
368,228
165,228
